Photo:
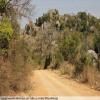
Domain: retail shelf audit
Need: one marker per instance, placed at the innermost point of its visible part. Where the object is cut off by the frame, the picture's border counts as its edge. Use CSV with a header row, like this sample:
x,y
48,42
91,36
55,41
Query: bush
x,y
69,46
3,42
19,58
6,33
15,71
97,43
2,5
67,68
5,77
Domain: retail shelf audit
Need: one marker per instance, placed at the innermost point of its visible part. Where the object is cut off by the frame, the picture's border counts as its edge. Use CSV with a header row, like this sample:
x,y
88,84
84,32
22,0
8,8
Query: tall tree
x,y
15,9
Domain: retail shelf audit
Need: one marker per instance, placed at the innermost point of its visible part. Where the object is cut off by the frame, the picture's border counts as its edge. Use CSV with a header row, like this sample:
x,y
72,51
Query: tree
x,y
15,9
97,43
20,6
6,32
69,46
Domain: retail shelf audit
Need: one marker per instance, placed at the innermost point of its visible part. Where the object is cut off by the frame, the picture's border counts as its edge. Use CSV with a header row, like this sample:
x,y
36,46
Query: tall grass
x,y
15,71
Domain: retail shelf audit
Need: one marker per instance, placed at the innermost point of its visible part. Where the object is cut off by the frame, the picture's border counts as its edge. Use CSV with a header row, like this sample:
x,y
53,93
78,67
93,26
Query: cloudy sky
x,y
66,6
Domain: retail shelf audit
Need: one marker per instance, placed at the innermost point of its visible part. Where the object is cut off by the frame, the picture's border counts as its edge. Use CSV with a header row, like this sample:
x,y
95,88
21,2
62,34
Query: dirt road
x,y
48,83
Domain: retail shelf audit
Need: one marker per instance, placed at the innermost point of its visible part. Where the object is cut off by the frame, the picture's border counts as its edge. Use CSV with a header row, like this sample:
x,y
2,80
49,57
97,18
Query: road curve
x,y
48,83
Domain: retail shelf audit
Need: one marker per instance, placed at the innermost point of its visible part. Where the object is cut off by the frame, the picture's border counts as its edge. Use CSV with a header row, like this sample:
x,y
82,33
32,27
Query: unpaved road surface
x,y
48,83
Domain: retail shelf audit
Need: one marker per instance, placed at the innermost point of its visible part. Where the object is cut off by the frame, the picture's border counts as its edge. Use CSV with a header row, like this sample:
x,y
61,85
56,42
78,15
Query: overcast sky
x,y
66,6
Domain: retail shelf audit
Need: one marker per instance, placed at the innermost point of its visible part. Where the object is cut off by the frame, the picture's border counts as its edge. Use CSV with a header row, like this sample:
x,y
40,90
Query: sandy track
x,y
48,83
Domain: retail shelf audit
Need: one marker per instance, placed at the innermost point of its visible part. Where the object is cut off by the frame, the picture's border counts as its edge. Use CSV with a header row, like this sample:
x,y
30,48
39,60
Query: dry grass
x,y
89,74
5,77
15,71
67,68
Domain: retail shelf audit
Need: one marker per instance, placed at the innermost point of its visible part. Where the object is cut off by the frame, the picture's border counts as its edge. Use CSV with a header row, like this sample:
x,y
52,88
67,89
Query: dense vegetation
x,y
64,42
55,41
15,60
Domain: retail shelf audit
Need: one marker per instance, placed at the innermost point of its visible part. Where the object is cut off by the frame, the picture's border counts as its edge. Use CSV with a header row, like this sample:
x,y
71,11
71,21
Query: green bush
x,y
2,5
69,46
97,43
6,32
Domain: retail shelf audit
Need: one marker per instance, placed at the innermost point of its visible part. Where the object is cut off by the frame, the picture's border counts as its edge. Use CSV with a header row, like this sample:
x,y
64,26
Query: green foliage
x,y
82,15
69,46
97,43
42,19
6,32
81,22
71,38
51,16
2,2
2,5
6,28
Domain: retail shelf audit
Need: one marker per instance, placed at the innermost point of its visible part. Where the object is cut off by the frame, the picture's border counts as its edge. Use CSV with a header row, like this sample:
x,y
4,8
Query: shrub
x,y
67,68
69,46
2,5
5,77
19,58
97,43
6,33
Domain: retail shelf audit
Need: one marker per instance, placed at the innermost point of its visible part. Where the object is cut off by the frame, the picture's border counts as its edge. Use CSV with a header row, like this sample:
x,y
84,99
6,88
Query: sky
x,y
66,6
